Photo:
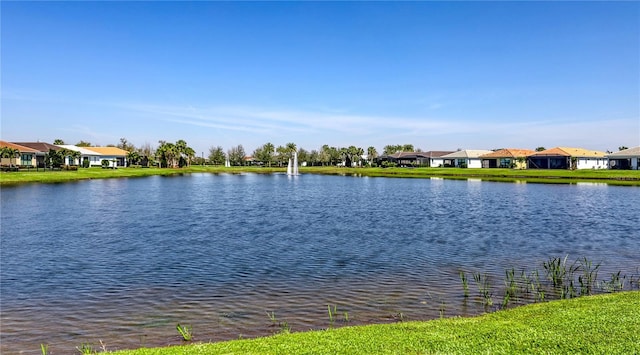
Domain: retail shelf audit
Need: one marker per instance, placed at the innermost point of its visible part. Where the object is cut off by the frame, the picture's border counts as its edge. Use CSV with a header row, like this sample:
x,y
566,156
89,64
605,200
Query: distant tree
x,y
186,153
133,158
291,148
147,154
359,152
74,156
125,145
324,155
216,155
58,142
268,149
236,155
167,154
282,155
53,159
622,147
83,144
264,153
314,157
539,149
389,149
372,153
303,155
11,153
407,148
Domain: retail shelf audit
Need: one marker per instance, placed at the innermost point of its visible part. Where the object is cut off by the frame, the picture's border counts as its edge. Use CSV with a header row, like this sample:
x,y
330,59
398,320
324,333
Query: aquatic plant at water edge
x,y
615,283
465,283
482,280
588,277
272,317
185,332
85,349
44,349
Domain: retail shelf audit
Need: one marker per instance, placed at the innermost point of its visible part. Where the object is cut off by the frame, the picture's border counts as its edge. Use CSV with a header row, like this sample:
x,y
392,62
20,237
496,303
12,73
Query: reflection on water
x,y
124,260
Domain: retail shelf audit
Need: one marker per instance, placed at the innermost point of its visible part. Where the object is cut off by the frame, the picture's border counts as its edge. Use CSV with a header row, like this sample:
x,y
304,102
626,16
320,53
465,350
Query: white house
x,y
93,157
465,158
625,159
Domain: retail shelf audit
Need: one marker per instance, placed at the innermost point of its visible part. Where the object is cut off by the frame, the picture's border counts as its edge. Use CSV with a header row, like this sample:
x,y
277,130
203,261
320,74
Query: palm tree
x,y
11,153
168,153
267,150
133,158
372,153
184,151
359,152
74,155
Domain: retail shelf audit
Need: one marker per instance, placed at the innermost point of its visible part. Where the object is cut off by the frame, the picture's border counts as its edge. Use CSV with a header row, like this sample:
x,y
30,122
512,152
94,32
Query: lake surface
x,y
124,260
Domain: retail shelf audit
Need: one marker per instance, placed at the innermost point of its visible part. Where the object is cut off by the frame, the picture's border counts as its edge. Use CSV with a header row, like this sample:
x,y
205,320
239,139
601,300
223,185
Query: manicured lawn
x,y
619,177
603,324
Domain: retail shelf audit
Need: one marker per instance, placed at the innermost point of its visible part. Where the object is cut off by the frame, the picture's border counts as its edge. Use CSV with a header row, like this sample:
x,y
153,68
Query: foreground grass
x,y
603,324
618,177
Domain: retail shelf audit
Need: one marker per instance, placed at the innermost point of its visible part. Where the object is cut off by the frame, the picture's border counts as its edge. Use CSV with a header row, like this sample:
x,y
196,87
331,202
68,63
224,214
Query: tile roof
x,y
509,153
39,146
111,151
20,148
468,153
631,152
571,152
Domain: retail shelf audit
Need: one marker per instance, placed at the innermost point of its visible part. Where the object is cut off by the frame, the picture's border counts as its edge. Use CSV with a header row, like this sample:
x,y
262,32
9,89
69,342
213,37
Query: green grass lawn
x,y
602,324
619,177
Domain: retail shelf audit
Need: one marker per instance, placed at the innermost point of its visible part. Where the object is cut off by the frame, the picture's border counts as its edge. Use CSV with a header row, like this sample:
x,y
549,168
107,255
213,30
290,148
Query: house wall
x,y
436,162
474,163
635,163
592,163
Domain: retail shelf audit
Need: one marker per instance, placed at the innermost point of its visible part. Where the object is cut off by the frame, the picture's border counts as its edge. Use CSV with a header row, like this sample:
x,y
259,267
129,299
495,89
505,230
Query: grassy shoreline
x,y
602,324
614,177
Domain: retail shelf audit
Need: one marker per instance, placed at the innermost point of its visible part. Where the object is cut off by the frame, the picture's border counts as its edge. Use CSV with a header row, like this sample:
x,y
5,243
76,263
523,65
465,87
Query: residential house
x,y
464,158
568,158
430,158
115,156
507,158
26,157
93,157
42,148
628,159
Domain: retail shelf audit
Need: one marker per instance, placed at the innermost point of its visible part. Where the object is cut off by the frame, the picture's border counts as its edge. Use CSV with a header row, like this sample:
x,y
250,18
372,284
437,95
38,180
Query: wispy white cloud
x,y
469,133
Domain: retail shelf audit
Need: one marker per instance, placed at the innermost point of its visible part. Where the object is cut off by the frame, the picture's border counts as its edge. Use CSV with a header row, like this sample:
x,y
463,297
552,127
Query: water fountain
x,y
292,167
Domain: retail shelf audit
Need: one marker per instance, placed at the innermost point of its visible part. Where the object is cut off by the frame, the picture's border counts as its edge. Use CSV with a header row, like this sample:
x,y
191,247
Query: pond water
x,y
123,260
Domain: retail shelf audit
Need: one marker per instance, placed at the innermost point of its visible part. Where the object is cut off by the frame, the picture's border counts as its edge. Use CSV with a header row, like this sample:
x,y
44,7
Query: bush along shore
x,y
566,306
617,177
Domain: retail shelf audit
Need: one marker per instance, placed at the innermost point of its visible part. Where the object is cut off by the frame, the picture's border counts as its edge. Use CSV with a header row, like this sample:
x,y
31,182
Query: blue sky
x,y
438,75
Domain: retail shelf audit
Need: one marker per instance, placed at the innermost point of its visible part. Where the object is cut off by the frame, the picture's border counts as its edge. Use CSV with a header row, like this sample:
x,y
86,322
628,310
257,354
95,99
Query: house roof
x,y
111,151
82,150
437,153
414,155
626,153
39,146
20,148
571,152
469,153
509,153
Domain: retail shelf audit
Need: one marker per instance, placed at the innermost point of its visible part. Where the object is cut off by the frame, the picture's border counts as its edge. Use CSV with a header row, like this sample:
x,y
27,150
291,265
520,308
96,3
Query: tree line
x,y
179,154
